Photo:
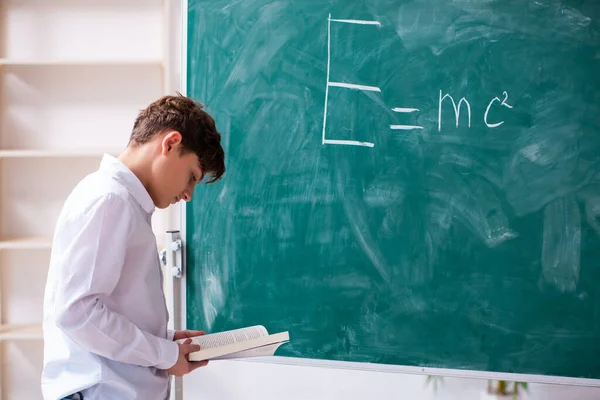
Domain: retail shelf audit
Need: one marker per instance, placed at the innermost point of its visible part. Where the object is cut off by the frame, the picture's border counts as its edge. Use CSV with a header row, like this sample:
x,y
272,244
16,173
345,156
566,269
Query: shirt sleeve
x,y
171,334
91,267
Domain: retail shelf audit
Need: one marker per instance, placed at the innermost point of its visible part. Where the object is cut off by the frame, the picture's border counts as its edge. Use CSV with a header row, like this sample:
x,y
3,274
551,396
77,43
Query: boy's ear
x,y
170,141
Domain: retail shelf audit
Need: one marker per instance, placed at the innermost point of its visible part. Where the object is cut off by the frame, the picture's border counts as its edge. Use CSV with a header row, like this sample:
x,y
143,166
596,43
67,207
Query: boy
x,y
105,315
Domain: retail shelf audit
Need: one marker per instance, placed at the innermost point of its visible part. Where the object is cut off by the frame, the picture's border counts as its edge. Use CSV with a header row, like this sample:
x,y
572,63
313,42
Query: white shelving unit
x,y
73,75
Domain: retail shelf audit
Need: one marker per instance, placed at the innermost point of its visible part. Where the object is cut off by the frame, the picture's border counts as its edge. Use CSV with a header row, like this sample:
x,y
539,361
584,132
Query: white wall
x,y
73,76
100,31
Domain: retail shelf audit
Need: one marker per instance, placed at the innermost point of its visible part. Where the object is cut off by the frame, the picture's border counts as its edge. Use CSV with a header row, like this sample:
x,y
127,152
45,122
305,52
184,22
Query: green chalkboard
x,y
363,215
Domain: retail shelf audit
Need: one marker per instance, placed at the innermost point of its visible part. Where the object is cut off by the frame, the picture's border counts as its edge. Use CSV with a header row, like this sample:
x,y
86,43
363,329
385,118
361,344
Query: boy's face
x,y
176,174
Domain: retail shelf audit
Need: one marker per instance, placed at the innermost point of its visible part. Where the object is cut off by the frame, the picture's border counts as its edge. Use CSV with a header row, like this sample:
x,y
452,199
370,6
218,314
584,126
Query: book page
x,y
229,337
263,351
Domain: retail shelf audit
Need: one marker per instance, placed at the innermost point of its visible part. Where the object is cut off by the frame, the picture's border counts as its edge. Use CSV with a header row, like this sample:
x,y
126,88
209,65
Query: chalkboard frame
x,y
180,302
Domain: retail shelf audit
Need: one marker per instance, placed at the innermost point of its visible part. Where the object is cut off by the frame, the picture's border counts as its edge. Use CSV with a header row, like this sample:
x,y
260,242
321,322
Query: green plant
x,y
434,380
503,388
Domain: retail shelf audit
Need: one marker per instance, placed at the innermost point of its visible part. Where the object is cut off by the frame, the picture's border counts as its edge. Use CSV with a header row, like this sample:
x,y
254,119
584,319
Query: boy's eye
x,y
193,178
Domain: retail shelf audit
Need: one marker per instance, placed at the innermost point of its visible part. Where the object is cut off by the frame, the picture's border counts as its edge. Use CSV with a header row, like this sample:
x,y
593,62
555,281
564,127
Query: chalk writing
x,y
456,109
405,127
402,110
487,110
352,86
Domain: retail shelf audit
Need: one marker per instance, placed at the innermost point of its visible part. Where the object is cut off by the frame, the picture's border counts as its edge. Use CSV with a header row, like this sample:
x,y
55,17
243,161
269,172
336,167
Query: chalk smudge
x,y
561,248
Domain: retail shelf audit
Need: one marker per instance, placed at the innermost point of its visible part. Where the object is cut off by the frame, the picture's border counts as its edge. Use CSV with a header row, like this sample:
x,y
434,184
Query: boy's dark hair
x,y
197,128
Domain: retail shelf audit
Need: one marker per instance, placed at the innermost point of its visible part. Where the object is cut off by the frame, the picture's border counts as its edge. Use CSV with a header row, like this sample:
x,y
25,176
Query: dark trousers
x,y
75,396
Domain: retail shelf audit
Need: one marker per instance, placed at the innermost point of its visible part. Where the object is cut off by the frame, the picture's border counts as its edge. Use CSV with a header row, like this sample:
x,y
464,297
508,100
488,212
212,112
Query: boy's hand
x,y
183,366
187,334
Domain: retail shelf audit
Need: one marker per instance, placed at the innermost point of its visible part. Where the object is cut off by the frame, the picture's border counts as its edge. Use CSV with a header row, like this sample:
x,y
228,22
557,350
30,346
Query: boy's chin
x,y
163,205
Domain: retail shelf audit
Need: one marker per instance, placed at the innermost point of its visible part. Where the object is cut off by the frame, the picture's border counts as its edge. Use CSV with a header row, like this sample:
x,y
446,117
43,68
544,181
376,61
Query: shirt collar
x,y
123,174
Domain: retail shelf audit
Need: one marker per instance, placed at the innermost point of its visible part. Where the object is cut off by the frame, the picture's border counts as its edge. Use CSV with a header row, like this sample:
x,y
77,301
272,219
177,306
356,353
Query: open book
x,y
253,341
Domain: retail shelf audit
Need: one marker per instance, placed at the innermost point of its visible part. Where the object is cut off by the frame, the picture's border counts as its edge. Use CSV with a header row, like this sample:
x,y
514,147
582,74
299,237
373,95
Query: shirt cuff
x,y
171,334
169,351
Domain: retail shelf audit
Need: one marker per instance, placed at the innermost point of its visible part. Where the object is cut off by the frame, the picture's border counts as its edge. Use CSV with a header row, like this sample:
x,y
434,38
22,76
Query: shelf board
x,y
20,332
67,63
55,153
26,243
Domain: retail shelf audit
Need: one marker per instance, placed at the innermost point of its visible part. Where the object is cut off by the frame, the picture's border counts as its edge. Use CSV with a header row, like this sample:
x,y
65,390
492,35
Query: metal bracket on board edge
x,y
172,256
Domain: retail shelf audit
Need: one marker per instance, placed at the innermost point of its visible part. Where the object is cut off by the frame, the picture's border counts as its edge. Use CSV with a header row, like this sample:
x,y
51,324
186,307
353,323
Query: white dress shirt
x,y
105,315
